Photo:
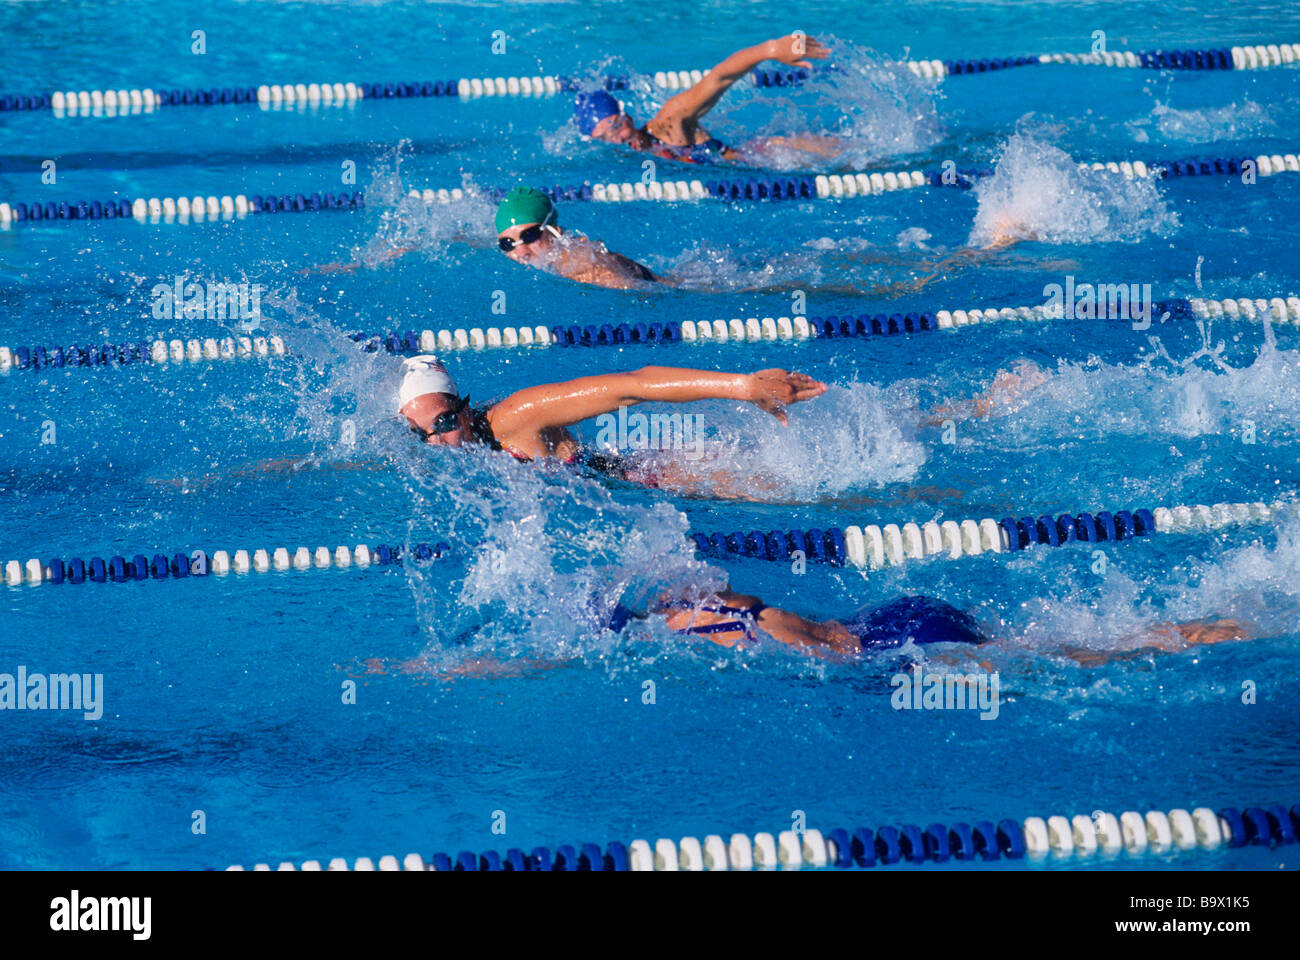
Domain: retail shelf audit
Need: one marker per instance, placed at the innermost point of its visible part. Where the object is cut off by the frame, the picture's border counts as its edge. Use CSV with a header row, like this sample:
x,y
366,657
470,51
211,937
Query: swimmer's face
x,y
618,128
428,413
528,241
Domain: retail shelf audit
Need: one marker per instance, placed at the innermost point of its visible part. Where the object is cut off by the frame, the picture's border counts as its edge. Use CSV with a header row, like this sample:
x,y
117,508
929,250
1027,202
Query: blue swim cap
x,y
923,619
592,107
619,618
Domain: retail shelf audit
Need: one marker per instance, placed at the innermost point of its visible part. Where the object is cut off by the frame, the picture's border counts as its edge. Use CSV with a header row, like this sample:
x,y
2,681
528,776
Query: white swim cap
x,y
421,375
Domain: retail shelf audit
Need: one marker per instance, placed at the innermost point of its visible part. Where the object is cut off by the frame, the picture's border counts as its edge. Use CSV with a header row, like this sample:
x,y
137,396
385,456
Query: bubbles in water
x,y
547,554
913,238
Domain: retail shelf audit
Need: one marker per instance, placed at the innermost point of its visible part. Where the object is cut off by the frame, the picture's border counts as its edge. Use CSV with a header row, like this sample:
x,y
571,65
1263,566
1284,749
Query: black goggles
x,y
529,235
444,422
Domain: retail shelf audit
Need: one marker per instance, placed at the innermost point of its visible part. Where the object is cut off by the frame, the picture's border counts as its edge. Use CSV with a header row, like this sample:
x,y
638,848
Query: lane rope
x,y
876,546
195,350
1276,310
199,563
871,546
134,101
1219,58
1081,836
158,352
832,186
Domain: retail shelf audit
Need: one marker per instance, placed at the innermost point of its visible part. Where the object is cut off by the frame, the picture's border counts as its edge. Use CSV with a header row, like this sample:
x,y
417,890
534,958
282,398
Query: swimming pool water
x,y
225,695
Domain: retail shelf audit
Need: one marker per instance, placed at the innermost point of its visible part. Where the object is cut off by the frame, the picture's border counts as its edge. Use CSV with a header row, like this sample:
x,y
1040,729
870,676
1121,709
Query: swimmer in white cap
x,y
531,423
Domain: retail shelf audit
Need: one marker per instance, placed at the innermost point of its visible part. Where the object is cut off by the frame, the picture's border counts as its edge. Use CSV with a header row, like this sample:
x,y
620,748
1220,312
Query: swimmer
x,y
1004,395
531,423
528,232
728,618
674,133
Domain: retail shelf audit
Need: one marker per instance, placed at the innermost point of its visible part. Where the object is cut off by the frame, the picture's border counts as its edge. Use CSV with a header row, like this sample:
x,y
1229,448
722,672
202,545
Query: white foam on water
x,y
1038,192
1232,121
544,555
408,226
873,105
852,437
1204,393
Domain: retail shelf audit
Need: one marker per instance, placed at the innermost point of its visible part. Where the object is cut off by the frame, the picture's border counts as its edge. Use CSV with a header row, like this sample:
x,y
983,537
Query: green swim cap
x,y
524,205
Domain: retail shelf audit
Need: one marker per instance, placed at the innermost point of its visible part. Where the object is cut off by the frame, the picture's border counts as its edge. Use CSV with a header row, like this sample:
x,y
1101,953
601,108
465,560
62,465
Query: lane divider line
x,y
762,329
871,546
199,563
747,330
1220,58
158,352
133,101
1081,836
876,546
831,186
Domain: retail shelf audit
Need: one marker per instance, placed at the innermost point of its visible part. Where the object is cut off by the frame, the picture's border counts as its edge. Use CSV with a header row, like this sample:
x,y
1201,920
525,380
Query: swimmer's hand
x,y
774,390
795,49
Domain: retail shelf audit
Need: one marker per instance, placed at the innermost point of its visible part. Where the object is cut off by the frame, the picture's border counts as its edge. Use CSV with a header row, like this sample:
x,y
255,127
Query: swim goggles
x,y
444,422
529,235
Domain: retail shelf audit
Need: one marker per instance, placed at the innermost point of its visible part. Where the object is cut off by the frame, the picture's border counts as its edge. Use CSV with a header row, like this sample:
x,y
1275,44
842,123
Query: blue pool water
x,y
225,695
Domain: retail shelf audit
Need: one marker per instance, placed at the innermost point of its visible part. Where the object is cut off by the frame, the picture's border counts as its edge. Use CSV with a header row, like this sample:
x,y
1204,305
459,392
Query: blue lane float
x,y
200,563
740,188
875,546
752,330
115,102
871,546
1032,840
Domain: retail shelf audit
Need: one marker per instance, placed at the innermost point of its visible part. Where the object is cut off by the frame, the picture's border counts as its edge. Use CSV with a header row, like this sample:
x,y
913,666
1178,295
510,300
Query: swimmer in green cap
x,y
528,232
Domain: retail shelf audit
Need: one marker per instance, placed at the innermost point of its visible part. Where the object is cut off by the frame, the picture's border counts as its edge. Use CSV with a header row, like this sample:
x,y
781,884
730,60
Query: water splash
x,y
548,555
1201,394
1038,192
852,437
873,105
1233,121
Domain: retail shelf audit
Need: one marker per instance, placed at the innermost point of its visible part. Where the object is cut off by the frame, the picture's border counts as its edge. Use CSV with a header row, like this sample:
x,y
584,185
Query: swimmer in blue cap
x,y
946,633
728,618
674,133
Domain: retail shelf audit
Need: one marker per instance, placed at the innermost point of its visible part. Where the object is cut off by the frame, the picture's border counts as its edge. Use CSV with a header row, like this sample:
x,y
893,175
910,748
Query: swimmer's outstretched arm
x,y
794,50
564,404
1165,638
1007,386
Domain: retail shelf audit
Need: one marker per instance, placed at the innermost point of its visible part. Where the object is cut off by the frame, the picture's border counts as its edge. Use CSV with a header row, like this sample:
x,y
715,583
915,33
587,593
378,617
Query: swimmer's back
x,y
923,620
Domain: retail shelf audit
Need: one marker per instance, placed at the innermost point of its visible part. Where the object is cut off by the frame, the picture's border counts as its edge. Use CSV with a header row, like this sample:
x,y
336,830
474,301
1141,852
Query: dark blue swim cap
x,y
922,619
619,617
592,107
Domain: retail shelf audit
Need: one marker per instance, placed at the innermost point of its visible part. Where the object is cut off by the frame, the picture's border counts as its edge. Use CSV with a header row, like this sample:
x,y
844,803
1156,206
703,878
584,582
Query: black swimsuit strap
x,y
482,429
